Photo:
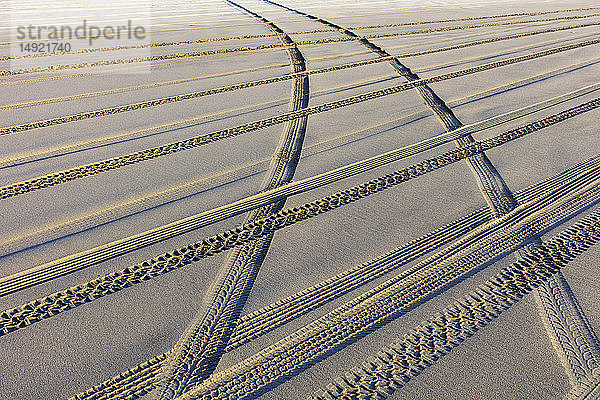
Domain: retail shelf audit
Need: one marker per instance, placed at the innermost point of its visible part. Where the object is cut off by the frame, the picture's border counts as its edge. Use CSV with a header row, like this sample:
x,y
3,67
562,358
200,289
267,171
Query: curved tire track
x,y
132,383
20,317
200,347
53,179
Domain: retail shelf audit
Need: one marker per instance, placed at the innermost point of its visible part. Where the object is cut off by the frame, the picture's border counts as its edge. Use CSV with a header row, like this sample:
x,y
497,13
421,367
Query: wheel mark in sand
x,y
568,328
317,340
222,39
171,148
193,95
301,43
274,46
5,82
199,349
492,185
565,322
46,307
66,265
399,362
587,390
132,383
73,262
131,135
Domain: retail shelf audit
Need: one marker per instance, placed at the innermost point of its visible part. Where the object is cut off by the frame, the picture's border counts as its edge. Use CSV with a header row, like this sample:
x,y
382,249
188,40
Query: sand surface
x,y
511,358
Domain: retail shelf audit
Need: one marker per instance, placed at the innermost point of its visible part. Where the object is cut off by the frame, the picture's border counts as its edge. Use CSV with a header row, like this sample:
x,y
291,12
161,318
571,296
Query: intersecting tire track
x,y
202,93
20,317
89,221
286,358
432,30
171,148
199,349
577,347
493,187
244,49
518,279
65,265
390,369
138,381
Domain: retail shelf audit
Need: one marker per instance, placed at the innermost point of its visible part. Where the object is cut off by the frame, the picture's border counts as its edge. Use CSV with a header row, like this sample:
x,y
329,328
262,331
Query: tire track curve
x,y
60,267
138,381
199,349
317,340
491,183
578,346
62,150
174,147
22,316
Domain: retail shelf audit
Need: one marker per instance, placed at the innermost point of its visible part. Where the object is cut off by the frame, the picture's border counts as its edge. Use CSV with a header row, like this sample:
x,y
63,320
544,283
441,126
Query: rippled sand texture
x,y
291,200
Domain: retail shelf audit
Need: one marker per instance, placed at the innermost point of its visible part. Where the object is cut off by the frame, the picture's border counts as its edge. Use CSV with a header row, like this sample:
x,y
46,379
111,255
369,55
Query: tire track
x,y
107,140
49,306
296,352
199,349
491,184
131,88
77,261
578,345
301,43
222,39
174,147
192,79
86,145
267,46
86,95
67,149
182,61
570,332
208,92
588,390
396,364
138,381
262,321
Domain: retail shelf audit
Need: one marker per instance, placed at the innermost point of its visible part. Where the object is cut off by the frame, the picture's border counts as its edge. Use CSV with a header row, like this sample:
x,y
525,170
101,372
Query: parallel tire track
x,y
171,148
262,321
46,307
289,356
136,381
491,183
18,243
274,46
193,95
222,39
199,349
107,140
300,43
74,262
390,369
